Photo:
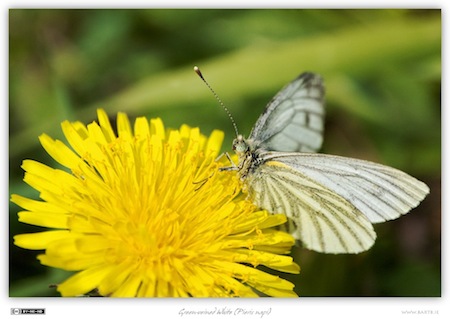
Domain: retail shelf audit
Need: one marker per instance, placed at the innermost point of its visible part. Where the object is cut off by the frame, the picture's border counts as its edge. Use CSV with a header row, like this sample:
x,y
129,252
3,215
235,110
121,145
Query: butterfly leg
x,y
233,166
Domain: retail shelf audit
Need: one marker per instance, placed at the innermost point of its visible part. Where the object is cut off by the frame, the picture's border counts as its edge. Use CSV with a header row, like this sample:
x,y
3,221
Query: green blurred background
x,y
383,75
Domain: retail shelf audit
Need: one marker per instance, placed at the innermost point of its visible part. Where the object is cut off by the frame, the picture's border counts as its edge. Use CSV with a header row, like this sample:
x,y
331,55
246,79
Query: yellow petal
x,y
107,129
39,240
44,219
84,281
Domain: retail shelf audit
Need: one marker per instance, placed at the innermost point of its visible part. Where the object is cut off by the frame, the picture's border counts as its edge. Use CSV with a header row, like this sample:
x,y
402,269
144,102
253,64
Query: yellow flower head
x,y
146,213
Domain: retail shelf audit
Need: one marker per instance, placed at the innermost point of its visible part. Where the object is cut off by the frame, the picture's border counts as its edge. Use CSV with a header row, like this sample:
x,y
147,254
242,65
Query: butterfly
x,y
330,201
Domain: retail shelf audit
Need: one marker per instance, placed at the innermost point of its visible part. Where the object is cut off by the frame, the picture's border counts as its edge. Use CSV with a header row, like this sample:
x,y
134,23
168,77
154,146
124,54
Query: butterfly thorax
x,y
247,156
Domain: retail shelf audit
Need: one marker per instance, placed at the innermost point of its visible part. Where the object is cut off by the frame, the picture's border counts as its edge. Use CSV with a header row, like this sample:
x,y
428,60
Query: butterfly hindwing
x,y
321,219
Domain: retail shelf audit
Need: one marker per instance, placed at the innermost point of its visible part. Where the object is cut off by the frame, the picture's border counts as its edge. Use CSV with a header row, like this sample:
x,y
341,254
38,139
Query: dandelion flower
x,y
146,213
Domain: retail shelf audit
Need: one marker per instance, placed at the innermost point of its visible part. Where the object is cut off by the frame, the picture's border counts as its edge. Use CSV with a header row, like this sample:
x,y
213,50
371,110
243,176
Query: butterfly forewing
x,y
379,192
293,120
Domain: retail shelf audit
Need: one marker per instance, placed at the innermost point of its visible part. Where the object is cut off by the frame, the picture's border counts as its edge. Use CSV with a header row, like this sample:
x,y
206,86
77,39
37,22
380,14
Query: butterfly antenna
x,y
199,73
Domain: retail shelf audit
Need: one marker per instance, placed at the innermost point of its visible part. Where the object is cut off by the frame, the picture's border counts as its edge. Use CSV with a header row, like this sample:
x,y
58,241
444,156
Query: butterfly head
x,y
240,145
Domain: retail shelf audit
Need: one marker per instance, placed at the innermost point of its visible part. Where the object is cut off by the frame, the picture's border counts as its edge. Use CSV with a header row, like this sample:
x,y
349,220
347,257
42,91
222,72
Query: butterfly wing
x,y
332,200
294,120
322,220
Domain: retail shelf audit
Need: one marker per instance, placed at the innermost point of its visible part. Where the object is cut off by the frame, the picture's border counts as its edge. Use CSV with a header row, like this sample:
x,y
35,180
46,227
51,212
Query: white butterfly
x,y
330,201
